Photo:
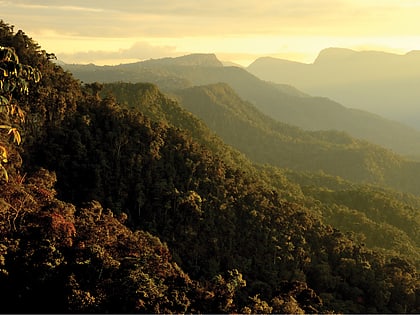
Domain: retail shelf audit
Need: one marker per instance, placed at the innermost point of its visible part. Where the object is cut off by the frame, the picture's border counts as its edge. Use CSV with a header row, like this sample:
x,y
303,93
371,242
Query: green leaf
x,y
4,173
3,100
37,76
4,72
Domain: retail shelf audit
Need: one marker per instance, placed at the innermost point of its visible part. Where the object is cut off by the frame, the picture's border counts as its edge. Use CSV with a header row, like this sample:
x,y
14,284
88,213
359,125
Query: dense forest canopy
x,y
140,208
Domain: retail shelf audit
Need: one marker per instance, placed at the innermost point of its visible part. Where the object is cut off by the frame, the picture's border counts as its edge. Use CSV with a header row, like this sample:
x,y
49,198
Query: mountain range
x,y
375,81
282,102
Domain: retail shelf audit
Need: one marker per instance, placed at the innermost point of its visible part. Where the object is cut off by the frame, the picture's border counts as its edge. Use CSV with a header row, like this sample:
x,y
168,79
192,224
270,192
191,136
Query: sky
x,y
114,32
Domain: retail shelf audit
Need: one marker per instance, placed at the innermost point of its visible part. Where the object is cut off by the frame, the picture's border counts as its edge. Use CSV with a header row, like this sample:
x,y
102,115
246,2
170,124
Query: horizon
x,y
236,63
238,31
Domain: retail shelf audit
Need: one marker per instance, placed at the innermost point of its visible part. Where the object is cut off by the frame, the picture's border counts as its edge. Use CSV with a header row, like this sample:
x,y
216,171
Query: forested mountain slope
x,y
240,124
187,232
265,140
214,218
381,218
280,102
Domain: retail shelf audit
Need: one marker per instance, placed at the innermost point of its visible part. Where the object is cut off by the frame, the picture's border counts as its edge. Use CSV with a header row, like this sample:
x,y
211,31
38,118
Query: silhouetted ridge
x,y
205,60
333,54
376,81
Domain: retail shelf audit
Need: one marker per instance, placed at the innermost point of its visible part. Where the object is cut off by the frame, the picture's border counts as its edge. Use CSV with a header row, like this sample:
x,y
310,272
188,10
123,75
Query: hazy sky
x,y
109,32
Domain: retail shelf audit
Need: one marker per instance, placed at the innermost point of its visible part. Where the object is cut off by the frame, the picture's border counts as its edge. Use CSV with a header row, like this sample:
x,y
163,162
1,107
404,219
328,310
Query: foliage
x,y
58,258
380,218
14,80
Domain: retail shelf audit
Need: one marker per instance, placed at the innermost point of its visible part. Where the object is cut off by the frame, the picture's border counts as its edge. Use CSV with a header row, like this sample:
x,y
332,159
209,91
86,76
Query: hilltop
x,y
204,60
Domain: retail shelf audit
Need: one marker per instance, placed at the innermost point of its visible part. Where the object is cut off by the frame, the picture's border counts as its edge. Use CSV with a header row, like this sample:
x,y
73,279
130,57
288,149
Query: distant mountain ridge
x,y
280,101
375,81
206,60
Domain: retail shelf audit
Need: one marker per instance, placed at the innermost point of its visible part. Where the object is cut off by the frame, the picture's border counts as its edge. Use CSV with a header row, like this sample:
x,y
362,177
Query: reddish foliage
x,y
62,228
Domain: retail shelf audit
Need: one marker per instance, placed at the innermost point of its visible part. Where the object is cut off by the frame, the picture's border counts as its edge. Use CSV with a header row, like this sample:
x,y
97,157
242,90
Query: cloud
x,y
66,8
138,51
162,18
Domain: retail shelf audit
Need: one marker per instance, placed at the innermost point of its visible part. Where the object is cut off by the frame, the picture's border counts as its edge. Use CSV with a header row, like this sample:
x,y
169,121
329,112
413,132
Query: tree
x,y
14,78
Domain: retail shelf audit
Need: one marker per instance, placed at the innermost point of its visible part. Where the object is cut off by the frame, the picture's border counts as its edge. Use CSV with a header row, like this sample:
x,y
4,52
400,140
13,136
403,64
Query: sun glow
x,y
239,31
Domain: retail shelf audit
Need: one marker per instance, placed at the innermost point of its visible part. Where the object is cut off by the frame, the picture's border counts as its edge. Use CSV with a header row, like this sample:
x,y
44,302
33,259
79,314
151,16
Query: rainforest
x,y
180,185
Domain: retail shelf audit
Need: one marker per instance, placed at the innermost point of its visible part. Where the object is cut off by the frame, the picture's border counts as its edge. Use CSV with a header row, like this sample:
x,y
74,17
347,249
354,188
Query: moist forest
x,y
120,198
